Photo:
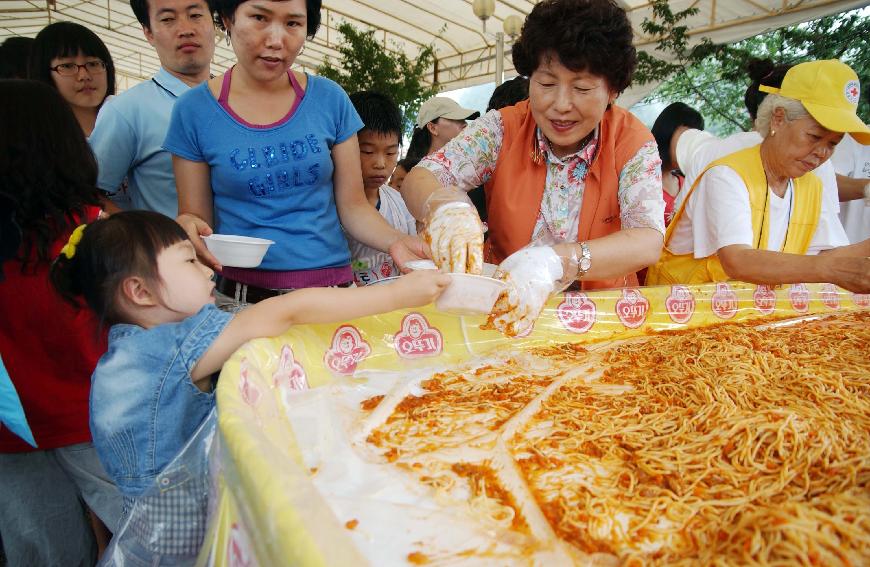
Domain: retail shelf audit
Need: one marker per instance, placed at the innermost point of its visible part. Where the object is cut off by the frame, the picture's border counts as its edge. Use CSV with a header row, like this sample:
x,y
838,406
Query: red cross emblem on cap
x,y
854,92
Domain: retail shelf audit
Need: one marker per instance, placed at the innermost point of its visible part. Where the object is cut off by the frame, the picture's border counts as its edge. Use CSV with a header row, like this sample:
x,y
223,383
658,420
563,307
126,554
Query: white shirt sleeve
x,y
845,157
830,192
829,233
717,215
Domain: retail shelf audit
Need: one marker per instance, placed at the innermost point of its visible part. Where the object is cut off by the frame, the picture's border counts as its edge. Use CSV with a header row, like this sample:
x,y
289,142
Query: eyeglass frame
x,y
101,68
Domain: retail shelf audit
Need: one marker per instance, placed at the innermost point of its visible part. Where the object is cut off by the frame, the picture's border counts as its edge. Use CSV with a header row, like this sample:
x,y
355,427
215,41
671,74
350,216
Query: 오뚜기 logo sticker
x,y
290,375
249,391
680,304
632,308
577,312
418,339
765,299
800,297
348,349
724,301
830,296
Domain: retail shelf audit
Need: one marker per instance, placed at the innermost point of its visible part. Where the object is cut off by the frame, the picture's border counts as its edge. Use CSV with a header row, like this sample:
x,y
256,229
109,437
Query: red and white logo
x,y
861,299
290,375
680,304
830,296
632,308
765,299
799,296
852,90
577,313
417,339
238,548
347,351
386,269
724,301
250,392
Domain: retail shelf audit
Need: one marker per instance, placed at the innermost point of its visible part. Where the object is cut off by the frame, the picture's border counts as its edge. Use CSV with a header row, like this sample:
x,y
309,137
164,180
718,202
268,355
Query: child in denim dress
x,y
154,387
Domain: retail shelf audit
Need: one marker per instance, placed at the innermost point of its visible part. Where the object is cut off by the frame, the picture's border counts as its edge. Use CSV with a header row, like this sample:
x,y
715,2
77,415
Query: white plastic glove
x,y
532,274
454,232
867,195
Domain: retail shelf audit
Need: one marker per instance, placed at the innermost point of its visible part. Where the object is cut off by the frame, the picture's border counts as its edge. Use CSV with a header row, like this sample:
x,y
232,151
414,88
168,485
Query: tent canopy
x,y
466,55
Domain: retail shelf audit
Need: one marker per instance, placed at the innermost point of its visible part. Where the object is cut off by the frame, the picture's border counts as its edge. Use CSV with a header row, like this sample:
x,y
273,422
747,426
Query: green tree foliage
x,y
366,65
713,79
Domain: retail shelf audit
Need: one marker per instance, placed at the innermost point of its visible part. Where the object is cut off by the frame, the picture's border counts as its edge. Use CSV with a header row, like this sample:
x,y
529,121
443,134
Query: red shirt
x,y
50,350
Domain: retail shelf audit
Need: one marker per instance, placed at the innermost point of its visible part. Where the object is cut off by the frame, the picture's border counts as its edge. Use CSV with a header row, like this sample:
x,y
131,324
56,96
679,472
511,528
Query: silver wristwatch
x,y
585,262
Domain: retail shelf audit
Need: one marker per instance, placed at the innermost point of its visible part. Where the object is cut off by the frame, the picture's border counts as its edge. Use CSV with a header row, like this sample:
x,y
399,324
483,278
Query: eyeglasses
x,y
96,67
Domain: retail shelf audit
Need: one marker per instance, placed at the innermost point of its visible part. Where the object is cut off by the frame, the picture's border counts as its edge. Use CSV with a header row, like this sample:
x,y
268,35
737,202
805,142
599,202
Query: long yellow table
x,y
267,512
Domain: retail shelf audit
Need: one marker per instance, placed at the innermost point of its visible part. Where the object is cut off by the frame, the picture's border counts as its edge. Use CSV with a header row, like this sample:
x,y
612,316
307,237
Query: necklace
x,y
788,187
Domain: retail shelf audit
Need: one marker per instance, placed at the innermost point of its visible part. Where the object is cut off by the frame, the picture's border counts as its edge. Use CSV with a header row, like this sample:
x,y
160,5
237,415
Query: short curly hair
x,y
227,9
586,35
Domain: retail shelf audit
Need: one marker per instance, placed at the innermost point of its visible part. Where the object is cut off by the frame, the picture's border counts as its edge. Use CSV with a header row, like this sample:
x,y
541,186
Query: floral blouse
x,y
469,160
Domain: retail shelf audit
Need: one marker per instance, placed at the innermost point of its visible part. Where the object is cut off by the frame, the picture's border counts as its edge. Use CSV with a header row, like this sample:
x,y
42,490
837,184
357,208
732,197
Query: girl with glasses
x,y
73,60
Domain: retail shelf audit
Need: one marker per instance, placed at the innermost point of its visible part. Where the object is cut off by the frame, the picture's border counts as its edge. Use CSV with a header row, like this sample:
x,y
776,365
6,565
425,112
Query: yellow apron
x,y
807,194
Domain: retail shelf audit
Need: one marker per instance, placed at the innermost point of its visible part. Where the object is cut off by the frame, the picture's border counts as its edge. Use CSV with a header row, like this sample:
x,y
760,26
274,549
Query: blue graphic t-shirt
x,y
276,182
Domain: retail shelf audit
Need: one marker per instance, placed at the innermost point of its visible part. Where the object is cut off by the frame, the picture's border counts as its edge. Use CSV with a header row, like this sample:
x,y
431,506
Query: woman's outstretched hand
x,y
196,228
407,249
532,274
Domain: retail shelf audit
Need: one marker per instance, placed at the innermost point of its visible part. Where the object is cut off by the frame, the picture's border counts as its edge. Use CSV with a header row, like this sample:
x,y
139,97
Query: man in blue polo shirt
x,y
130,128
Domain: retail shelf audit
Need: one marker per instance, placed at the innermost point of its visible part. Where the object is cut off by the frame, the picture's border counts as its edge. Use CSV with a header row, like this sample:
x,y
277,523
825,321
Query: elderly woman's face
x,y
804,144
567,105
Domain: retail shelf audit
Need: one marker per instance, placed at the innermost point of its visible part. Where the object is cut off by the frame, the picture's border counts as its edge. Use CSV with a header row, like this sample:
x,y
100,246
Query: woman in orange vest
x,y
758,215
567,167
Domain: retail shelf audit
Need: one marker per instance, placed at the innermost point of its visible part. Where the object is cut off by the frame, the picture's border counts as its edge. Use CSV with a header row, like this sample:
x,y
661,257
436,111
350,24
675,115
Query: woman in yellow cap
x,y
758,215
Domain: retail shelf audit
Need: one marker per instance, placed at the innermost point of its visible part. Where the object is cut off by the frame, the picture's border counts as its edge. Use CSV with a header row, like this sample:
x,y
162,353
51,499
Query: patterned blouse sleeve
x,y
468,160
640,190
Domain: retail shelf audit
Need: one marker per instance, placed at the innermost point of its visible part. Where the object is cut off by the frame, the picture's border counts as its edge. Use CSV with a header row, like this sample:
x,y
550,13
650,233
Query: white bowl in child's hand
x,y
237,251
469,294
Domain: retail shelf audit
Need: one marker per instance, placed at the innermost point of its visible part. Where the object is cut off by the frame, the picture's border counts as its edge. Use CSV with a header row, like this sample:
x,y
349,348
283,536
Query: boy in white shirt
x,y
379,151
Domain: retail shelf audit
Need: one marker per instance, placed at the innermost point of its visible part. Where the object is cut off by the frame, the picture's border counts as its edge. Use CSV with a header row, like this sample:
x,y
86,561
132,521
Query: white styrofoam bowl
x,y
469,294
421,265
237,251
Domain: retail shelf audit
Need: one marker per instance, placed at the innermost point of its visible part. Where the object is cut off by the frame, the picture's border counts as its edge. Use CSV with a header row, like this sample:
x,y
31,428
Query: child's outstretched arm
x,y
318,305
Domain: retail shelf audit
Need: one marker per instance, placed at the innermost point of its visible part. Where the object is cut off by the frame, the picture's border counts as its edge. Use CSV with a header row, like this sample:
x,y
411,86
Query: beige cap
x,y
443,107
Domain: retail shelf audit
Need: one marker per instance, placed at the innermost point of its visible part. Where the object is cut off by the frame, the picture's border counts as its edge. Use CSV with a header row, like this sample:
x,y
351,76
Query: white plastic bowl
x,y
384,280
470,294
237,251
421,265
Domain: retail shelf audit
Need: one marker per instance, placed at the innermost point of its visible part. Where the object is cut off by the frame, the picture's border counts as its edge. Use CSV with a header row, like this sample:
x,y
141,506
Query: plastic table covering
x,y
265,509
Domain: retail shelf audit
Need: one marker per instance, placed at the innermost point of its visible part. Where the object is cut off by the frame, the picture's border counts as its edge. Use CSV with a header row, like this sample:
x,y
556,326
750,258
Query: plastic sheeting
x,y
268,508
167,524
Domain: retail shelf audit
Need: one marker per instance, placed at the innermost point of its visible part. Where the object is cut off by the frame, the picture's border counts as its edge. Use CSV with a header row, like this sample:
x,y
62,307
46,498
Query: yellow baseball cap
x,y
830,92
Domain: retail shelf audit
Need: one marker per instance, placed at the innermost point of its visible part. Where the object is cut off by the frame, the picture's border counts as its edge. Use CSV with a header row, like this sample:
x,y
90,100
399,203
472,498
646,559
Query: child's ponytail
x,y
100,256
64,274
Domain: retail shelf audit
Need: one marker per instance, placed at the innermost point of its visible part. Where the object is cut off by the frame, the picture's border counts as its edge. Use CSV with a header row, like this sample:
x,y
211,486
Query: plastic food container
x,y
384,280
421,265
237,251
470,294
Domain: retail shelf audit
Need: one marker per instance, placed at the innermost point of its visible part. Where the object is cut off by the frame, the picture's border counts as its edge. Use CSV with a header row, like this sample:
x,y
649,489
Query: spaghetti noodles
x,y
730,444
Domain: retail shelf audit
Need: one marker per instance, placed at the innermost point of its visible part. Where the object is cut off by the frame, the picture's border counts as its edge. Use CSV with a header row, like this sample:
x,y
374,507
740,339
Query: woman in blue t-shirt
x,y
265,151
